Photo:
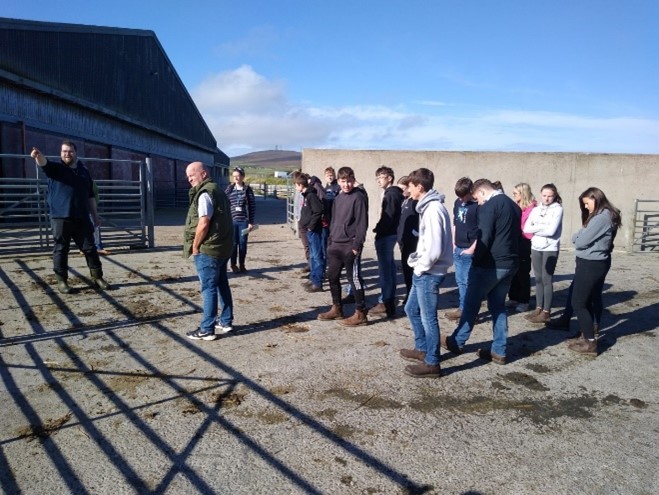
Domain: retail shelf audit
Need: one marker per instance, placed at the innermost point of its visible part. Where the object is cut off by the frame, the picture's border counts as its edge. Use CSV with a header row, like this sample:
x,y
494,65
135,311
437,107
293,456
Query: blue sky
x,y
504,75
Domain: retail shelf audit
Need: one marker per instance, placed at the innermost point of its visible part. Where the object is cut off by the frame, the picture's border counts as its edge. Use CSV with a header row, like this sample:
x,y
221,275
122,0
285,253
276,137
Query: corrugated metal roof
x,y
122,72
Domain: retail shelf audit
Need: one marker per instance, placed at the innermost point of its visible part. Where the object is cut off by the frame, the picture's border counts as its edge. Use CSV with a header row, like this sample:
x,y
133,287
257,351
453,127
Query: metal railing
x,y
646,225
124,206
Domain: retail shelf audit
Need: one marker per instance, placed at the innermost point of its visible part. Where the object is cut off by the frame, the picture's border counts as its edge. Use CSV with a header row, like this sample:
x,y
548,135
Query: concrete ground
x,y
102,393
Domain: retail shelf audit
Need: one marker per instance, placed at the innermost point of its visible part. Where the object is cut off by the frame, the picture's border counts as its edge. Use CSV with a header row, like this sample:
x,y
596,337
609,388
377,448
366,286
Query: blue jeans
x,y
325,240
384,249
493,284
214,288
462,264
421,309
239,242
316,258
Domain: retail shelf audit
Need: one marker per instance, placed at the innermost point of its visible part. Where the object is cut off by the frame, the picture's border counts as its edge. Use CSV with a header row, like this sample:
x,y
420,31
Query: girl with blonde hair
x,y
520,288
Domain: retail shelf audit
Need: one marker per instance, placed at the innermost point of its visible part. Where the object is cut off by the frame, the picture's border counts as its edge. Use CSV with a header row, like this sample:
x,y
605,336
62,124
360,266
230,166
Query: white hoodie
x,y
434,251
546,225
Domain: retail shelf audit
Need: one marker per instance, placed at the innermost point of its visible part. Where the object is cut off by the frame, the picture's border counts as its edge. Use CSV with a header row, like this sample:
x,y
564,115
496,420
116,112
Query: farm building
x,y
113,91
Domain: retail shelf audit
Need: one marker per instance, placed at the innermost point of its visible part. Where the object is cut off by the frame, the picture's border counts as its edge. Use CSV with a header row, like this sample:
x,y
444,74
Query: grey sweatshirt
x,y
595,241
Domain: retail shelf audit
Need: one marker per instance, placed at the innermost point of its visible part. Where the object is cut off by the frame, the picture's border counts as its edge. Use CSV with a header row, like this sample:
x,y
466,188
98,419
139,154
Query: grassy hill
x,y
267,162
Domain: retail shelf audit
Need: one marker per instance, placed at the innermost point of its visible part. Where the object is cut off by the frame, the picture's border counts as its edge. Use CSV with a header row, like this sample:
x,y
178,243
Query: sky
x,y
454,75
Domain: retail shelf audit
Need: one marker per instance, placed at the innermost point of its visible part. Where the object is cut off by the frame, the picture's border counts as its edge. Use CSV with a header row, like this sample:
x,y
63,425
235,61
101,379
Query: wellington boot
x,y
97,278
62,284
357,319
101,283
335,313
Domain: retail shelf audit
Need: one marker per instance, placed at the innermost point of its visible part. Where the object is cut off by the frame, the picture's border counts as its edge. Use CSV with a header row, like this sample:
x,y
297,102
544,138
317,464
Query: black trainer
x,y
197,335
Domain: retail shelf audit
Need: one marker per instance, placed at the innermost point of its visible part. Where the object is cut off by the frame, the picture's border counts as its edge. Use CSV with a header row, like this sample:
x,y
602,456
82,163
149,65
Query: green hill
x,y
268,161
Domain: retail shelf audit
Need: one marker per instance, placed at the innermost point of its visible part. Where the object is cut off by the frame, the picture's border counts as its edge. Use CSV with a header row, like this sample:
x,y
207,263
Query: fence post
x,y
150,198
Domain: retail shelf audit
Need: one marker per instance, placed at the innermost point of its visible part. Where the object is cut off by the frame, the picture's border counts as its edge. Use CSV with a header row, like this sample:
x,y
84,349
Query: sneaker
x,y
413,355
219,328
234,268
313,288
423,370
491,356
511,303
197,335
522,307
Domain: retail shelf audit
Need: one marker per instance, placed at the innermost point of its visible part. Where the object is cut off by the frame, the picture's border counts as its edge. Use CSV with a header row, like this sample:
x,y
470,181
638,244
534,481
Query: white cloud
x,y
247,112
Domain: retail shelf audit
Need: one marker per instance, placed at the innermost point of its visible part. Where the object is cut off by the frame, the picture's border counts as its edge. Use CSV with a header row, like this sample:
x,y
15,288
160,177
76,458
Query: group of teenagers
x,y
493,241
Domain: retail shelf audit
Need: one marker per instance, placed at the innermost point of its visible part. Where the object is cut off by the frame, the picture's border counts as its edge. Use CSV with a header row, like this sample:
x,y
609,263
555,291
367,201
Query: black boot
x,y
390,307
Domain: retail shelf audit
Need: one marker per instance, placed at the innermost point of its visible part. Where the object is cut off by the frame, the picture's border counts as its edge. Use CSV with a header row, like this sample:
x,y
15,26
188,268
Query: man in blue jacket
x,y
71,202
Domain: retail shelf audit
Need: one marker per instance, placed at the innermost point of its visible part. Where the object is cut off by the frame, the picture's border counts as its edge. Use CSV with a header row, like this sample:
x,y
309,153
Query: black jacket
x,y
390,215
499,225
311,213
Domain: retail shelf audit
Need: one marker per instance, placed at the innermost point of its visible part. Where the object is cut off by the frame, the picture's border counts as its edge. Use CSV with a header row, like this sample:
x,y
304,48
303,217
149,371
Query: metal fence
x,y
125,206
646,225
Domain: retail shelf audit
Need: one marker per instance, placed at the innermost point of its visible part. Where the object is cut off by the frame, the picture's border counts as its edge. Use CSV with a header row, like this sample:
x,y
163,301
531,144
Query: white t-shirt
x,y
205,205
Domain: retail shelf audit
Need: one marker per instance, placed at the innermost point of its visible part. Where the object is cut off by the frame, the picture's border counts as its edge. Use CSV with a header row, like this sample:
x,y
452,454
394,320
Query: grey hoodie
x,y
434,251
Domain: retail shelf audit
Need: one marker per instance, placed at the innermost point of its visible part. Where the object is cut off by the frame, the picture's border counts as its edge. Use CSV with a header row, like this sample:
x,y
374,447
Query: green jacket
x,y
219,241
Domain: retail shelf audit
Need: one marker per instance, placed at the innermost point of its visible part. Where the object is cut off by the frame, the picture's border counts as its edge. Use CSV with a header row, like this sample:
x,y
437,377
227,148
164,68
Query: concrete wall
x,y
623,178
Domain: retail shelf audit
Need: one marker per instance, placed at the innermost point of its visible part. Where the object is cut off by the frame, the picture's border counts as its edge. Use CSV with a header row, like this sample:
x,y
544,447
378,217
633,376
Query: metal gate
x,y
646,225
125,208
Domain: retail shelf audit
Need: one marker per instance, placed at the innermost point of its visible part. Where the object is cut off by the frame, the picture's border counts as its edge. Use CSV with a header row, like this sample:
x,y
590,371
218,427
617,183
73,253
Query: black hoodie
x,y
311,213
390,216
350,219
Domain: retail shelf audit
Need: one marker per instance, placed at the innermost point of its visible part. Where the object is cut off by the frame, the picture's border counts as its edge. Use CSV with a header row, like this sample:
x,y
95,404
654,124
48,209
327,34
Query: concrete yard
x,y
102,393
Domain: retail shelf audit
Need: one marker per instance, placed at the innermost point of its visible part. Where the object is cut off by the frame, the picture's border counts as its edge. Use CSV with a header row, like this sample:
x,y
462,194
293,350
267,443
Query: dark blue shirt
x,y
69,190
465,221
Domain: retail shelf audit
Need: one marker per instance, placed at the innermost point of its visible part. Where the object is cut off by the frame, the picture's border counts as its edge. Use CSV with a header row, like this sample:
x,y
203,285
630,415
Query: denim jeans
x,y
316,259
462,264
421,309
384,249
325,240
239,242
214,288
493,284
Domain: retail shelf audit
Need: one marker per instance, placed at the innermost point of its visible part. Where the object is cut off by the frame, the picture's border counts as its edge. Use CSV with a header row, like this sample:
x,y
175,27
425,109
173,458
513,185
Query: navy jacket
x,y
69,190
500,229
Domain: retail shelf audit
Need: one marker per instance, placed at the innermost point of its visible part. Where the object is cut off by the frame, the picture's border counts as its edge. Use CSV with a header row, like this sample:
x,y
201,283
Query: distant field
x,y
269,161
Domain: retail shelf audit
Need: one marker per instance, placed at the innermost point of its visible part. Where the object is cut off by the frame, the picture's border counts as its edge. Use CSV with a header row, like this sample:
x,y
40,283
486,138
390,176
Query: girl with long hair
x,y
593,244
545,224
520,287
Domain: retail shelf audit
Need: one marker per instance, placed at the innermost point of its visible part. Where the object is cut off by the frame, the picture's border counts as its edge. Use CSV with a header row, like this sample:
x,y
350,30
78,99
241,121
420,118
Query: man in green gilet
x,y
208,240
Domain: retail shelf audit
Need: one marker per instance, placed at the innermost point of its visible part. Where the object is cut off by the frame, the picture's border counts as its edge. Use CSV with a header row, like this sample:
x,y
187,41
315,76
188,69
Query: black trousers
x,y
408,271
338,257
81,231
589,278
520,288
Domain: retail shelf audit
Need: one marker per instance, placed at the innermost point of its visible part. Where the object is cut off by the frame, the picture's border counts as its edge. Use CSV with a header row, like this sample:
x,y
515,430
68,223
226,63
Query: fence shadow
x,y
177,458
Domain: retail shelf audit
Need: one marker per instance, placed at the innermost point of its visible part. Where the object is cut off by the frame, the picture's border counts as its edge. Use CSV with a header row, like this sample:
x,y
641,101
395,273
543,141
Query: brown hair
x,y
601,203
